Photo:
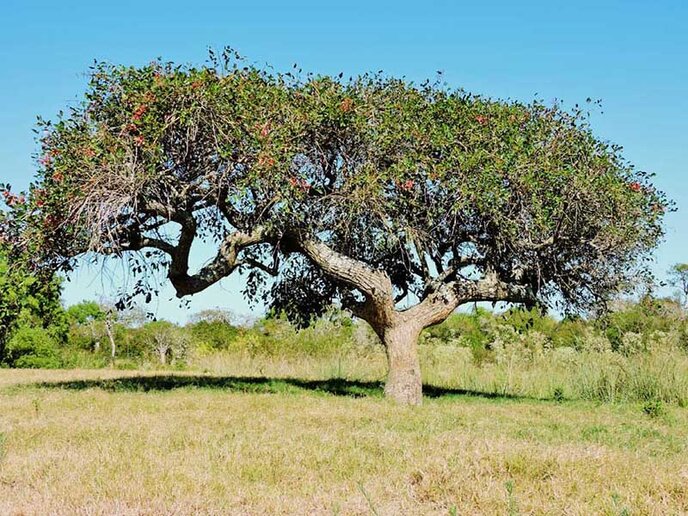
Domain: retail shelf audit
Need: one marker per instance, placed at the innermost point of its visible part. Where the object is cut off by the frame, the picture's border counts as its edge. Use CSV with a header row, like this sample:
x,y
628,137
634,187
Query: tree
x,y
85,312
167,341
218,315
89,316
396,201
29,300
679,278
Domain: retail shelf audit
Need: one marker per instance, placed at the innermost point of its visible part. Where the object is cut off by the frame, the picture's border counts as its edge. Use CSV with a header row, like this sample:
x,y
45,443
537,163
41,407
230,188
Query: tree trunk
x,y
404,383
111,335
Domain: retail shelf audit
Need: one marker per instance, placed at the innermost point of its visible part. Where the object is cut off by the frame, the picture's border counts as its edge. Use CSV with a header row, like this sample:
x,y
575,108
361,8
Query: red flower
x,y
265,130
262,160
482,120
301,184
14,199
58,177
346,105
139,140
140,111
635,186
408,185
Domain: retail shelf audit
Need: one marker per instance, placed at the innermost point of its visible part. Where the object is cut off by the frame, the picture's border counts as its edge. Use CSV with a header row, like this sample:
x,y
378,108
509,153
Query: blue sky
x,y
632,54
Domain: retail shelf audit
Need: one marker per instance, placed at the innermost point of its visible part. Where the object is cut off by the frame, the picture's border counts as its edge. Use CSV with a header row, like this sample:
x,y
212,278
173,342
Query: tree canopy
x,y
367,192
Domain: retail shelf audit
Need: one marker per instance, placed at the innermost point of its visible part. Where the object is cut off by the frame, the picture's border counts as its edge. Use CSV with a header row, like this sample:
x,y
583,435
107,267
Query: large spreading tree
x,y
396,201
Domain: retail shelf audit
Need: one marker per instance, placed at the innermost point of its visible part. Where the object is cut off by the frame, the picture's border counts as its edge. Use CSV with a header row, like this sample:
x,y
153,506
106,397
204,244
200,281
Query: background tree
x,y
396,201
166,341
87,318
85,312
28,300
678,275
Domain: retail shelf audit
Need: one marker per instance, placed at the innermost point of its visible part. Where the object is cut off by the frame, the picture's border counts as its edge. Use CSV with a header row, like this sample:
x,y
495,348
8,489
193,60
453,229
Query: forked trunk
x,y
404,383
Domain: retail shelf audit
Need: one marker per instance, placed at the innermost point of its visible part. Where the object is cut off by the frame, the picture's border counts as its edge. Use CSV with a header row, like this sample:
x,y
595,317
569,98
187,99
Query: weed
x,y
513,508
558,394
654,408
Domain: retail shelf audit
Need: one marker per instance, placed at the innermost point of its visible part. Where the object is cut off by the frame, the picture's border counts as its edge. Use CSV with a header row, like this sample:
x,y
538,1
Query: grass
x,y
129,442
555,374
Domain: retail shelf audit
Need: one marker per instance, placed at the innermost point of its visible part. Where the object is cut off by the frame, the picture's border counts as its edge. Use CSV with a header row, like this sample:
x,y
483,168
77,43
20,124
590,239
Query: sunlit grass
x,y
198,443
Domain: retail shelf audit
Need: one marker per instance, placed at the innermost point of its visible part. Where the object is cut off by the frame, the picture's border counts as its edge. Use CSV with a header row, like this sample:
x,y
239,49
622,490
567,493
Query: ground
x,y
74,442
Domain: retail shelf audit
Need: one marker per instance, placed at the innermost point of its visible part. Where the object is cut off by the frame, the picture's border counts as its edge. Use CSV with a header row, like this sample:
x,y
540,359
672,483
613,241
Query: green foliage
x,y
654,409
28,300
33,348
276,336
85,312
644,318
517,352
213,335
480,329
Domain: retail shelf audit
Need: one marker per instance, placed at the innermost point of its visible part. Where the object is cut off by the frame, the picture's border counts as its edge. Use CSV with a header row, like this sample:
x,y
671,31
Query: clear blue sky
x,y
632,54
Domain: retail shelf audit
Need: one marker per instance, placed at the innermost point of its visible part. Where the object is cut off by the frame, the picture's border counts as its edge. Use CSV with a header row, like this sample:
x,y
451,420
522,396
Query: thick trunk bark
x,y
404,383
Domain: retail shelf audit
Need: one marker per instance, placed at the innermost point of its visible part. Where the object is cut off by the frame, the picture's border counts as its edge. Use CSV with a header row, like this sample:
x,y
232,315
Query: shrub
x,y
213,334
33,348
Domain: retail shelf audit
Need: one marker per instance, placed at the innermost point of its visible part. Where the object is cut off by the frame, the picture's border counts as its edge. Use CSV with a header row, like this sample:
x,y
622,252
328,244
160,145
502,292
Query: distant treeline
x,y
92,335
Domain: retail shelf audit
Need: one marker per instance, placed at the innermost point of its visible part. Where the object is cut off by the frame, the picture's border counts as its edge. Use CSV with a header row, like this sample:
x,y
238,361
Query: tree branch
x,y
374,284
224,263
440,304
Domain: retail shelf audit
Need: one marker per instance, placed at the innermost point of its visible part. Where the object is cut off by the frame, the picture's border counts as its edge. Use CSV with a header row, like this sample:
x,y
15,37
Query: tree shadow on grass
x,y
335,386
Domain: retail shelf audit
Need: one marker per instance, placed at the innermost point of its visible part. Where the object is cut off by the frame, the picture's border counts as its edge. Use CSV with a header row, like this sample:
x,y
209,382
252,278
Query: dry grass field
x,y
114,442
